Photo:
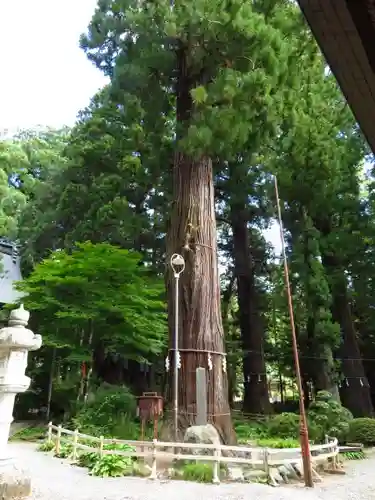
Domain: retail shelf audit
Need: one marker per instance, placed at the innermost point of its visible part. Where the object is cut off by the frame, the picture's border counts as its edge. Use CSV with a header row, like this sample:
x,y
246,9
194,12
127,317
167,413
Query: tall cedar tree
x,y
210,62
241,190
324,152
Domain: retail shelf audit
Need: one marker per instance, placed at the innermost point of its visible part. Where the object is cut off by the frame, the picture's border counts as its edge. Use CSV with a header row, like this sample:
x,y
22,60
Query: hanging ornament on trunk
x,y
209,362
224,363
167,364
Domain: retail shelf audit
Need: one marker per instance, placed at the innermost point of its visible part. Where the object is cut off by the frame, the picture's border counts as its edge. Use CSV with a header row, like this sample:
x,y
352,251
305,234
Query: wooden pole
x,y
304,436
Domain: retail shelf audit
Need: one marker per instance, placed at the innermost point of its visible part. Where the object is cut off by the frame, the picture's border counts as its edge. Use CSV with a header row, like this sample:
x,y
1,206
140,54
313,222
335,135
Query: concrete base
x,y
15,483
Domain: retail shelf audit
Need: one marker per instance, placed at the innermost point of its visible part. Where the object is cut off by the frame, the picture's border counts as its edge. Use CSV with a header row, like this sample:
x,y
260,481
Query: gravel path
x,y
54,479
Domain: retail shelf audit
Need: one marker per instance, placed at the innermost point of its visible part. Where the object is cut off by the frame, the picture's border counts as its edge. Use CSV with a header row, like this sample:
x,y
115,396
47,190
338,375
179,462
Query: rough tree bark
x,y
256,398
365,334
355,390
231,367
116,370
192,232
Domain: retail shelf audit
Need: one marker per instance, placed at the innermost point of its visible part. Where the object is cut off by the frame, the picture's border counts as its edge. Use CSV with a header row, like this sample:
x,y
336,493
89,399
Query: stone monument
x,y
15,342
201,395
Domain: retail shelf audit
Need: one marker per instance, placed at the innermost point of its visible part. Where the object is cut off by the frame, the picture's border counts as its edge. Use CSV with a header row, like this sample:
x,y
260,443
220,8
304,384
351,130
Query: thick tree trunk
x,y
231,366
355,390
118,371
192,233
256,397
365,334
370,373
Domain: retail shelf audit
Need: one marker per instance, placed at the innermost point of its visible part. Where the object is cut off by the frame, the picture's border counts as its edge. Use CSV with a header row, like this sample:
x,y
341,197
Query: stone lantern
x,y
15,342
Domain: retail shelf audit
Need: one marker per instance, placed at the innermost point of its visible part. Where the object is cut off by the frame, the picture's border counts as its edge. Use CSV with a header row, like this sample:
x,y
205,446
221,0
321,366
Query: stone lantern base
x,y
15,483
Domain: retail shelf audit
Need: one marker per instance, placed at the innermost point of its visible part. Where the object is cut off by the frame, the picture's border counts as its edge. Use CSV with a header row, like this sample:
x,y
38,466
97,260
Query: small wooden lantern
x,y
150,407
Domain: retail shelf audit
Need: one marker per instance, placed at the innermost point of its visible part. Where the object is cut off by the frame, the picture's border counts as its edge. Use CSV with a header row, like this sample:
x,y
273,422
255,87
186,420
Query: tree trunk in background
x,y
192,232
355,391
370,372
306,392
364,329
117,370
320,364
50,383
231,367
256,397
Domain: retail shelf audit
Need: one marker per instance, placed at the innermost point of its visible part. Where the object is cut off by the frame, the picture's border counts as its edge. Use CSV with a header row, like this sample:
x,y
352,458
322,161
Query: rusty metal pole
x,y
304,435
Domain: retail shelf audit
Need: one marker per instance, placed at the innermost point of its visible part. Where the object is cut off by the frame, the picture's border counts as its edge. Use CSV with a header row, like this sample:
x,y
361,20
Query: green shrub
x,y
199,472
66,450
285,425
118,447
46,446
278,443
362,430
87,459
128,428
249,431
111,466
112,409
90,459
64,396
29,434
329,417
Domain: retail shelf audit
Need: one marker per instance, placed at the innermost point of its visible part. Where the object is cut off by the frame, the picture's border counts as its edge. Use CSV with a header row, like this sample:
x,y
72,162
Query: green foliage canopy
x,y
103,290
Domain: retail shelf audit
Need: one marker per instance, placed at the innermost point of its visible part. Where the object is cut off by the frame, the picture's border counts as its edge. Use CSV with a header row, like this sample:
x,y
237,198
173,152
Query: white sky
x,y
46,77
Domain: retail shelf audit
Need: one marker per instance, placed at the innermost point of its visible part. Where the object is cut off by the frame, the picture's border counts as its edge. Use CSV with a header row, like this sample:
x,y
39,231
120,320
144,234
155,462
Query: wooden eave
x,y
345,32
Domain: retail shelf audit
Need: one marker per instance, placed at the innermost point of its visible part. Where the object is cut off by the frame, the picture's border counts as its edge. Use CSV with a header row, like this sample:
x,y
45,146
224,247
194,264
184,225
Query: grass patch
x,y
198,472
46,446
354,455
30,434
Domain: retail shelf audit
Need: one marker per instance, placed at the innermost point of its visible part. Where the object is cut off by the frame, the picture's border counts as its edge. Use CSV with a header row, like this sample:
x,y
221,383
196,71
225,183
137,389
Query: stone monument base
x,y
15,483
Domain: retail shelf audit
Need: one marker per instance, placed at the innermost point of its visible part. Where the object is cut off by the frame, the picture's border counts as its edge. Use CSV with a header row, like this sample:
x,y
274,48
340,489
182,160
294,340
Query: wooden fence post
x,y
154,465
331,460
101,446
49,435
216,467
58,440
75,442
265,463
